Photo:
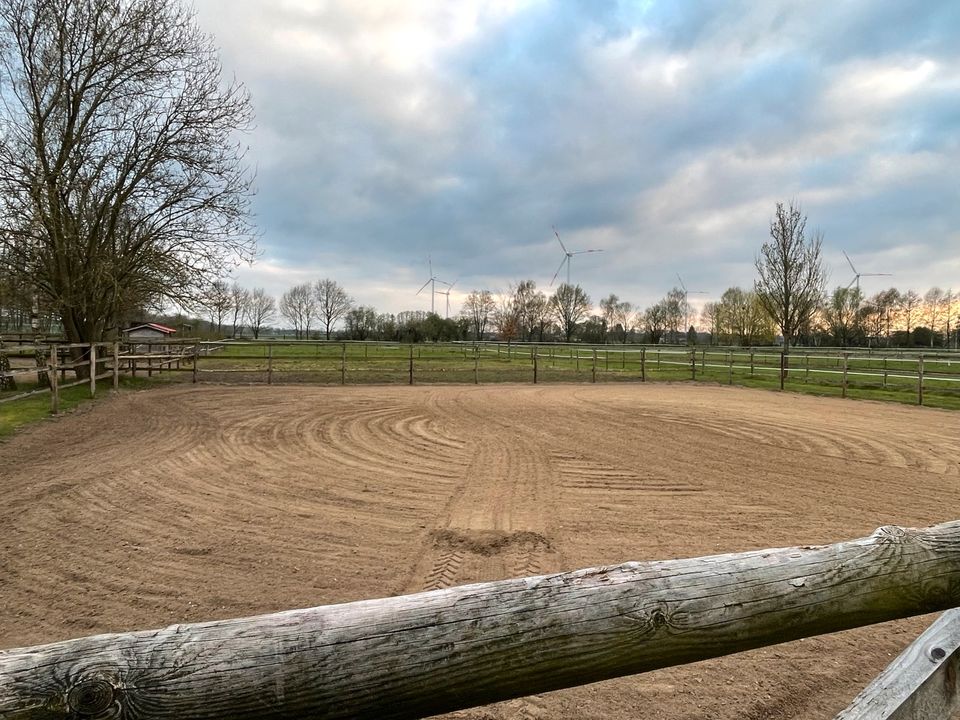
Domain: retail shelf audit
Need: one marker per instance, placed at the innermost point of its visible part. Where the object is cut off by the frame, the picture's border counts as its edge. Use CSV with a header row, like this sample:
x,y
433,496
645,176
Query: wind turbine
x,y
447,293
858,275
432,282
567,255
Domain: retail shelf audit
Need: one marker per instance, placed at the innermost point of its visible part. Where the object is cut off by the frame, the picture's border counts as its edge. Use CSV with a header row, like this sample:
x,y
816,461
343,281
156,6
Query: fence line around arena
x,y
360,362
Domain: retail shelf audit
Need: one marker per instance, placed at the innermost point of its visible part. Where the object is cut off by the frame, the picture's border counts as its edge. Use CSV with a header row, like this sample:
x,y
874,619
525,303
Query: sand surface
x,y
185,504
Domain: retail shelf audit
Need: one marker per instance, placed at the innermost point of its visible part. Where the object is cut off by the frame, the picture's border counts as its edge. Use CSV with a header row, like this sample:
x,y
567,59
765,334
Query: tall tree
x,y
908,308
842,313
239,302
299,306
121,182
570,305
655,322
677,308
935,304
477,308
506,317
260,309
333,303
792,277
218,301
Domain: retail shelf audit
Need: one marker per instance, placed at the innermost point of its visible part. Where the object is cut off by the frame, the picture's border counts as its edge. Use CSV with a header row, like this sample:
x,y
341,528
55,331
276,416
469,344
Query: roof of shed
x,y
152,326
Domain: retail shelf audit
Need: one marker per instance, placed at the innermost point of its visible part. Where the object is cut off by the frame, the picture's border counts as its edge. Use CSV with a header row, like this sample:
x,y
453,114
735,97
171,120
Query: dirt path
x,y
187,504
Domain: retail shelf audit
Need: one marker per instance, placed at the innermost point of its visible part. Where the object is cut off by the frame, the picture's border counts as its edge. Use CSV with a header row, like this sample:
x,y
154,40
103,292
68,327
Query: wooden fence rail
x,y
417,655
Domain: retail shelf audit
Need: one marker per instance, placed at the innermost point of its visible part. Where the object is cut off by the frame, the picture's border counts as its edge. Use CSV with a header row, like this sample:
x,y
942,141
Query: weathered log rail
x,y
417,655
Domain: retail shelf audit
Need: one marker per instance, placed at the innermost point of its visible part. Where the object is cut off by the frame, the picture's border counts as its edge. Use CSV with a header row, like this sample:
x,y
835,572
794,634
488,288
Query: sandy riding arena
x,y
185,504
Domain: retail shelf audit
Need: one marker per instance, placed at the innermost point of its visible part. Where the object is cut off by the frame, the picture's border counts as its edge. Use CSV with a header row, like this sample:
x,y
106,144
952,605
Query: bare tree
x,y
121,183
260,309
936,305
299,306
333,303
570,305
617,317
908,307
655,321
506,317
477,308
218,300
791,274
239,302
842,314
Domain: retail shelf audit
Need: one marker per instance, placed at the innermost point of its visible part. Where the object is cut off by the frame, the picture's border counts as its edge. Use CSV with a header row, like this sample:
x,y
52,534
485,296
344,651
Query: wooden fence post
x,y
884,373
843,392
729,367
594,371
54,381
196,362
751,363
643,364
343,364
411,361
806,372
476,364
606,359
703,361
269,364
534,366
93,370
783,368
116,365
658,359
693,364
920,380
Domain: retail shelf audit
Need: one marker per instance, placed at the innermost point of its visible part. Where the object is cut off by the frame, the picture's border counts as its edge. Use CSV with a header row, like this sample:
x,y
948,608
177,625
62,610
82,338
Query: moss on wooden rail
x,y
416,655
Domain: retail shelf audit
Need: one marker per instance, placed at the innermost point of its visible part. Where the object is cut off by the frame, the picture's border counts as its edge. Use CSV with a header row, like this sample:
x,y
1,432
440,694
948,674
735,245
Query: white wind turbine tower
x,y
432,282
447,293
686,305
567,256
858,275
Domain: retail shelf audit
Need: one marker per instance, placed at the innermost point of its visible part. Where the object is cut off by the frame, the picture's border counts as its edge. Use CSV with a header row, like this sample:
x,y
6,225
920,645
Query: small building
x,y
148,337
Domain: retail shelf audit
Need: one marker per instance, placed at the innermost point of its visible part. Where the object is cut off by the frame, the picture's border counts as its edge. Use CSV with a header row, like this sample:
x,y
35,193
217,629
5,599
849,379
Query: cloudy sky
x,y
662,133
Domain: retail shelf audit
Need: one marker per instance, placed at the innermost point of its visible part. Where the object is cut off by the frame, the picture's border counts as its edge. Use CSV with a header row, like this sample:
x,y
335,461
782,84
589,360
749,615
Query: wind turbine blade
x,y
876,274
430,264
850,262
424,285
852,282
565,259
561,241
581,252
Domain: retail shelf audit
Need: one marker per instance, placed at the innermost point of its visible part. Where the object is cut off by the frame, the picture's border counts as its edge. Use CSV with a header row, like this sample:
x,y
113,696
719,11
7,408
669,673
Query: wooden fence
x,y
418,655
919,377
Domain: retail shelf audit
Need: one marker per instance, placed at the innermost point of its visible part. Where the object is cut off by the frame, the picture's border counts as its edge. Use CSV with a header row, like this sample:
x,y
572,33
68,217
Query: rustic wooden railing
x,y
417,655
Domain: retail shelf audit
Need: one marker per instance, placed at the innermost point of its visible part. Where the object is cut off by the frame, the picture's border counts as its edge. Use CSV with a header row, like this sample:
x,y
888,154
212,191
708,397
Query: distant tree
x,y
299,306
569,306
791,278
360,322
218,301
617,317
880,312
676,310
239,303
477,309
333,303
935,302
506,317
908,308
710,317
655,322
842,315
122,184
260,309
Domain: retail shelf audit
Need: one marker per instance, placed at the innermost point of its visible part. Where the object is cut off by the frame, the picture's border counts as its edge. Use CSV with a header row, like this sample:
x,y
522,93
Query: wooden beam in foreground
x,y
417,655
921,684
